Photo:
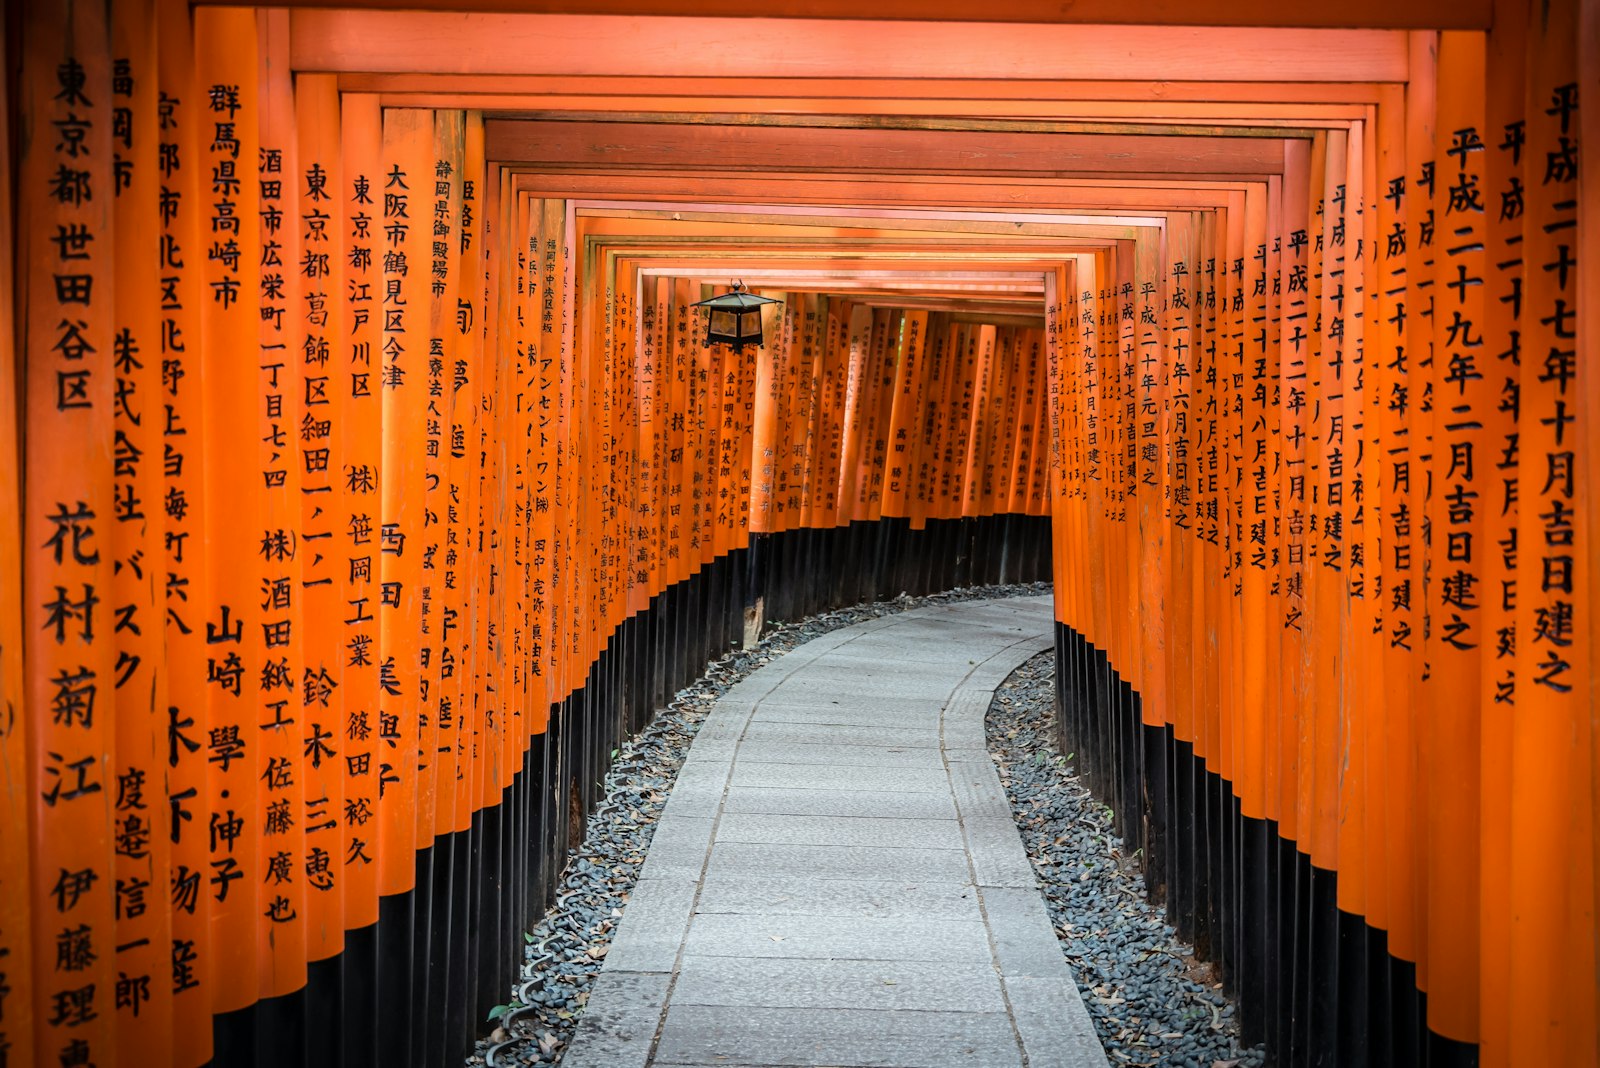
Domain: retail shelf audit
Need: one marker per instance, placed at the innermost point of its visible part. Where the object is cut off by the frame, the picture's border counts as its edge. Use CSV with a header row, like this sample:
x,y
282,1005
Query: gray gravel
x,y
1152,1003
565,951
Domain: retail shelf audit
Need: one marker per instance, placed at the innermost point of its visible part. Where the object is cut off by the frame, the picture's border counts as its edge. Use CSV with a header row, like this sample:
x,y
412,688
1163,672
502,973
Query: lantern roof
x,y
740,299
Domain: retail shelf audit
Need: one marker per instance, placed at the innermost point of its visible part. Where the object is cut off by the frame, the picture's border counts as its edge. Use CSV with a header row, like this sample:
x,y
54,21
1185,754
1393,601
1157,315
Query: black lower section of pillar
x,y
414,989
1315,983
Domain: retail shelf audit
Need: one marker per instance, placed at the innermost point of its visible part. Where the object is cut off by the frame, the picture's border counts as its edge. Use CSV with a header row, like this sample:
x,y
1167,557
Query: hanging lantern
x,y
734,318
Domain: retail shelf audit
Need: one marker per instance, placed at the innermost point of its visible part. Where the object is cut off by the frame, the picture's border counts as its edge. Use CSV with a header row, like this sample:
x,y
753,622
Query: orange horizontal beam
x,y
1182,113
1075,194
451,43
679,86
865,258
672,257
1023,231
844,151
1415,14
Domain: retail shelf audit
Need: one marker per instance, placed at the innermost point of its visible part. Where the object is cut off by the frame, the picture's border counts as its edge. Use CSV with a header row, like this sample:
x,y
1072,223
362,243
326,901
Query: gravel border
x,y
563,953
1152,1003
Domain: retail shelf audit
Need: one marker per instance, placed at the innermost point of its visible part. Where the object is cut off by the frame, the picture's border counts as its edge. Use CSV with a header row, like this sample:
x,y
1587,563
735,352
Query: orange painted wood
x,y
1324,428
1309,681
834,337
1550,804
979,407
697,448
541,374
437,42
442,535
652,377
141,834
998,401
971,92
16,803
1463,396
739,148
492,579
766,412
882,362
470,566
557,326
935,366
186,595
316,183
279,390
1256,13
1405,577
1146,452
403,224
529,693
356,373
905,415
1182,421
1502,173
946,421
231,619
68,329
808,410
1589,248
1302,388
536,95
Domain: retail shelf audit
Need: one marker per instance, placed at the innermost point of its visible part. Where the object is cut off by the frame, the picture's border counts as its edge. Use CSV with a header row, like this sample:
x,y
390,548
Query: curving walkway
x,y
837,879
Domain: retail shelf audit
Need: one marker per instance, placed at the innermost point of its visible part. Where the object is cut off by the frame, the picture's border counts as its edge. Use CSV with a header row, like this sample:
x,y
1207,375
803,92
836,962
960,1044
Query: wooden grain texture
x,y
636,145
969,91
450,43
1444,14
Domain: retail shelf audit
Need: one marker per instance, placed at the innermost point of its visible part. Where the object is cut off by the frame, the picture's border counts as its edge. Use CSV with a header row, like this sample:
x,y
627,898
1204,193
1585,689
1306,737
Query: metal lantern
x,y
735,318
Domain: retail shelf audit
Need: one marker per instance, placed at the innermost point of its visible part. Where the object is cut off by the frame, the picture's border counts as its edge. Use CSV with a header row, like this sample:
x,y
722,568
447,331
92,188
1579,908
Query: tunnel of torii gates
x,y
367,477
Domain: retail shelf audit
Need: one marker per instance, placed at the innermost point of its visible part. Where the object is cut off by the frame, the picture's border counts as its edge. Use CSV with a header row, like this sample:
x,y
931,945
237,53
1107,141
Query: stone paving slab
x,y
837,880
913,938
996,852
619,1024
861,687
763,730
1024,943
777,801
834,777
841,754
835,862
925,651
846,1038
882,898
871,831
1054,1023
977,791
886,710
658,911
678,847
839,984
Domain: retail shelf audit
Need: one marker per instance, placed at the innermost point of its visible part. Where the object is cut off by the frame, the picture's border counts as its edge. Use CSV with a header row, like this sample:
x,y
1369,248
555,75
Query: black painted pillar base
x,y
1314,983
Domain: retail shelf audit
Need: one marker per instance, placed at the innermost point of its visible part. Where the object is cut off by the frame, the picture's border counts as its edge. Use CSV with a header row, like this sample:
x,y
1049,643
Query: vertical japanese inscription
x,y
232,505
354,373
140,842
69,533
321,434
395,535
285,807
184,758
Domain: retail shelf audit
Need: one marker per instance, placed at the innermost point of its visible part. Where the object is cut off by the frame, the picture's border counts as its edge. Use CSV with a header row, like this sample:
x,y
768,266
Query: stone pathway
x,y
837,880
